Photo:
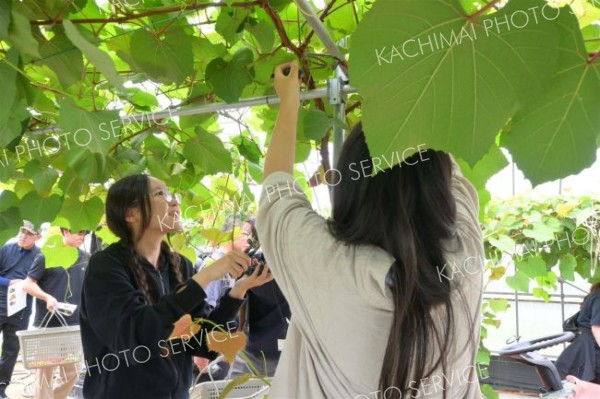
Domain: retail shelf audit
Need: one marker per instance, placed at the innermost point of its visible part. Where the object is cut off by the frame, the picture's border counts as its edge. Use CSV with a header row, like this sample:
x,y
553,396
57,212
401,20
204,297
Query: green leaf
x,y
247,148
230,22
106,235
9,219
97,57
168,60
12,130
316,124
504,243
489,392
87,130
21,37
264,33
541,293
567,264
540,232
92,167
8,88
60,56
56,254
207,153
8,199
82,215
499,305
555,136
43,177
483,356
180,245
141,98
228,79
456,92
491,163
532,266
216,236
518,282
591,35
40,209
5,6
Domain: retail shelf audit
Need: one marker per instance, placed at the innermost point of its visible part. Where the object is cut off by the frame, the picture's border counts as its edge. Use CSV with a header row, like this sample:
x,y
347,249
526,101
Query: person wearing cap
x,y
15,260
50,286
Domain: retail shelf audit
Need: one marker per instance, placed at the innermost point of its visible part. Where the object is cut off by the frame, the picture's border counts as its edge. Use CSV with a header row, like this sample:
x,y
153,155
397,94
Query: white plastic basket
x,y
253,388
51,347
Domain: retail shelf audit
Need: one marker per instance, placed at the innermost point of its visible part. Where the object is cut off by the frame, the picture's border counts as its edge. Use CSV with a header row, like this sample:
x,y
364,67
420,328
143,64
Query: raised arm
x,y
281,150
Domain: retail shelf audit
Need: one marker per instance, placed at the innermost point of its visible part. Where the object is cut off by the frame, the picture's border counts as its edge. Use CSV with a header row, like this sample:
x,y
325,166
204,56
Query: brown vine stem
x,y
483,10
594,57
353,107
157,11
310,83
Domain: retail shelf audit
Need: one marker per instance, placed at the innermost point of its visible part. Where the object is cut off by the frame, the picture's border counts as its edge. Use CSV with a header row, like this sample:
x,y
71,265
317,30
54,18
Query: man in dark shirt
x,y
268,315
265,318
50,286
15,261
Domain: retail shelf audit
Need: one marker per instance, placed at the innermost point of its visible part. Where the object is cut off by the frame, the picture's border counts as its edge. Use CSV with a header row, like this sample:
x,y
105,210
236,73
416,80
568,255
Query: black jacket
x,y
124,339
579,358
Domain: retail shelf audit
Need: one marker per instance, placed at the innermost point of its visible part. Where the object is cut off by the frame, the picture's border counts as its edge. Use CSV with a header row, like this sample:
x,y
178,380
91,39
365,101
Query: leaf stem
x,y
157,11
483,10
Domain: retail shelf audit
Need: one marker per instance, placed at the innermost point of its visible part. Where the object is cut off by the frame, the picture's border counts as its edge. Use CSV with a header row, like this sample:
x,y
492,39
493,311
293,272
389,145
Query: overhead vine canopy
x,y
71,71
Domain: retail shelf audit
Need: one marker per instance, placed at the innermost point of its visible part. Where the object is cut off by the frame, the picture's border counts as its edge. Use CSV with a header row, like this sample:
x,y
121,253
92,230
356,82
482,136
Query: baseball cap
x,y
27,225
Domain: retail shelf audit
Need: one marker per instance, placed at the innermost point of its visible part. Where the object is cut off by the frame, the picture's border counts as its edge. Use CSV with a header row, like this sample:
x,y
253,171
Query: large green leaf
x,y
555,136
40,209
56,254
316,124
8,199
87,130
567,266
14,127
60,56
532,266
9,220
228,79
5,6
230,22
263,32
518,282
43,177
167,60
207,153
97,57
82,215
453,81
8,88
21,36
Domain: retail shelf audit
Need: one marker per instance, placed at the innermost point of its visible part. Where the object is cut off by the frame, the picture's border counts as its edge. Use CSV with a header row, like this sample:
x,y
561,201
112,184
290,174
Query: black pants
x,y
10,343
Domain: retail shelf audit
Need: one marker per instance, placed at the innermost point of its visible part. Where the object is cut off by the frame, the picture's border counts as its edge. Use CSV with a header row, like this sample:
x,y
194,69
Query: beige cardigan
x,y
341,308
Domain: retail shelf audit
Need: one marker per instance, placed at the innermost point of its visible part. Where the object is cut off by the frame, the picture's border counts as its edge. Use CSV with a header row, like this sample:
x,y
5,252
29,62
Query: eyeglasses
x,y
166,194
28,233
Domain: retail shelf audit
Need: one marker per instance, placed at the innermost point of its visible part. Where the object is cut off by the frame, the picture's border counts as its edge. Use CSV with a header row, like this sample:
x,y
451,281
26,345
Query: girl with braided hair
x,y
137,290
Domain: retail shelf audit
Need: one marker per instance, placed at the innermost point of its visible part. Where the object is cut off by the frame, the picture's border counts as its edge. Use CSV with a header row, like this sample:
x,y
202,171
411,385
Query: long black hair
x,y
133,191
408,211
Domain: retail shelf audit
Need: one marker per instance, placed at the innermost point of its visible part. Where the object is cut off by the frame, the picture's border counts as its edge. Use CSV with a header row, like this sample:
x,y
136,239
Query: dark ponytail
x,y
132,191
409,211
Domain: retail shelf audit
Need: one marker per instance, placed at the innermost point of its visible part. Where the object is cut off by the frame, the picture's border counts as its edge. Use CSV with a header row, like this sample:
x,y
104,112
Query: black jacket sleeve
x,y
222,315
118,312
